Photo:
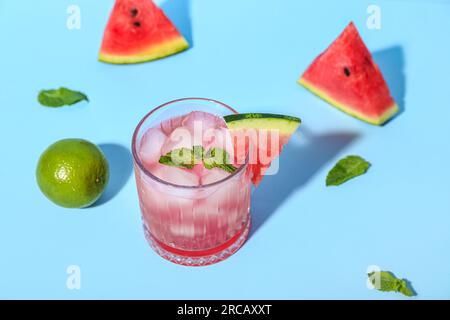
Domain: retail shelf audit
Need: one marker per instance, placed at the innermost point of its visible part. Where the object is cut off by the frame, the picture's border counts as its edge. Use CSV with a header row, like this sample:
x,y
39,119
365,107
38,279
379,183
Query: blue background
x,y
308,241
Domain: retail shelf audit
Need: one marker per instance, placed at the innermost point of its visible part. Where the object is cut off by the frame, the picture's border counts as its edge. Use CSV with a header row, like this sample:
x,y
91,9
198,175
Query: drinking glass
x,y
192,225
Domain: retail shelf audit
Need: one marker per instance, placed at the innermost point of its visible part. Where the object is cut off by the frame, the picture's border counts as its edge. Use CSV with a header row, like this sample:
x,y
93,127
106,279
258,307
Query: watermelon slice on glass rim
x,y
139,31
262,136
346,76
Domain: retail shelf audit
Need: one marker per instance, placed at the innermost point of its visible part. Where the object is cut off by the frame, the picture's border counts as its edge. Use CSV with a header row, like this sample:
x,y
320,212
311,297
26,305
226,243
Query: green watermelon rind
x,y
163,50
380,120
285,124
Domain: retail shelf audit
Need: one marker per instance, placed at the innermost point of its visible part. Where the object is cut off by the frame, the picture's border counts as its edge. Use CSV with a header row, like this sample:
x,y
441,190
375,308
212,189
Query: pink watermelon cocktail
x,y
197,215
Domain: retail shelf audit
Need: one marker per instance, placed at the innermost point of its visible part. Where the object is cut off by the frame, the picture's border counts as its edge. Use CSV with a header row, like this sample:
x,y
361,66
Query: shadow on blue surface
x,y
392,63
298,164
178,11
120,169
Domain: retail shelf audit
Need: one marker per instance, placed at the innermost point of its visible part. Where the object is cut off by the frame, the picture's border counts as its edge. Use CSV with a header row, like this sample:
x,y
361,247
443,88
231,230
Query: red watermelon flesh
x,y
262,153
139,31
260,136
346,76
265,156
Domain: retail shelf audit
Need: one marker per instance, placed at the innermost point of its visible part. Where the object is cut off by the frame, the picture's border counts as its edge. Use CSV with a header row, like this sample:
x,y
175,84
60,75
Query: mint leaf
x,y
387,282
181,158
226,167
187,158
218,158
199,152
345,169
60,97
406,290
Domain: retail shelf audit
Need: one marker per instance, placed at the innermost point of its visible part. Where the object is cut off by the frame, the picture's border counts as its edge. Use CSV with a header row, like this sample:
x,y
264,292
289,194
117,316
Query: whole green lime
x,y
73,173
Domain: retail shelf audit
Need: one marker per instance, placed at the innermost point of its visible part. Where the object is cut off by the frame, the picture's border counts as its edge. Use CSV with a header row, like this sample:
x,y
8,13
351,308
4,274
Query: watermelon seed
x,y
347,72
134,12
137,24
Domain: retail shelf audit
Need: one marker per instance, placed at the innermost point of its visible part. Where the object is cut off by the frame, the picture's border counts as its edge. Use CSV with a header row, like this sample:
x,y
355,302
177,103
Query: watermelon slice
x,y
138,31
255,127
346,76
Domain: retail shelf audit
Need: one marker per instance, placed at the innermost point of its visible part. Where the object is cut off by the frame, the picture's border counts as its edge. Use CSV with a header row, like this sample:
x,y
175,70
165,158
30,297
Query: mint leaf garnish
x,y
198,153
218,158
181,158
60,97
345,169
187,158
226,167
387,282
